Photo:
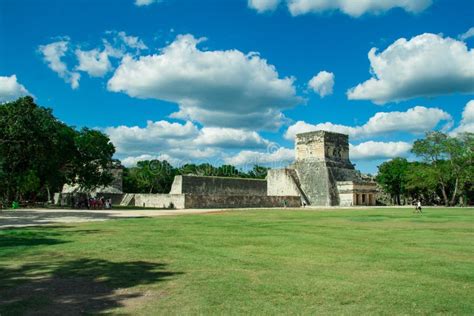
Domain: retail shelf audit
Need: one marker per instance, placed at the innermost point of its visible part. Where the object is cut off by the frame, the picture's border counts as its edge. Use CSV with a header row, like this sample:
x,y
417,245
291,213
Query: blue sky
x,y
230,81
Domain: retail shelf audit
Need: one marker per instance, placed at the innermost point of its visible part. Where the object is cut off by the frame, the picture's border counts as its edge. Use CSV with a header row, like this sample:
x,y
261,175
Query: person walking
x,y
418,207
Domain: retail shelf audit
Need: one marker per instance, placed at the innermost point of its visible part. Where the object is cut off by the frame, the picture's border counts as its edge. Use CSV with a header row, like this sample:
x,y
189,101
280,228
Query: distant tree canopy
x,y
154,176
445,174
39,153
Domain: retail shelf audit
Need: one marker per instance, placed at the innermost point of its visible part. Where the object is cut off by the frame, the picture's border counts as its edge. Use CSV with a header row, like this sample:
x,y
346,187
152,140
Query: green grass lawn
x,y
378,261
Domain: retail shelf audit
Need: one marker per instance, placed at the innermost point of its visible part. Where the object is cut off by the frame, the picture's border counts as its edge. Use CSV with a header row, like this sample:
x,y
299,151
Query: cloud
x,y
141,3
418,119
230,138
263,5
94,62
53,54
322,83
467,121
133,160
468,34
353,8
132,41
378,150
426,65
182,142
216,88
11,89
280,157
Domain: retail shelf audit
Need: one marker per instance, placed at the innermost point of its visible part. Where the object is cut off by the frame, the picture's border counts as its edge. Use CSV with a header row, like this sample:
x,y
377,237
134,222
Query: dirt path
x,y
35,217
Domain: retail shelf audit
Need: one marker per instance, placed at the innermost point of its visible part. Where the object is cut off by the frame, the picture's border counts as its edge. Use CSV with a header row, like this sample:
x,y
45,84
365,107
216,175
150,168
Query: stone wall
x,y
198,185
281,183
239,201
159,200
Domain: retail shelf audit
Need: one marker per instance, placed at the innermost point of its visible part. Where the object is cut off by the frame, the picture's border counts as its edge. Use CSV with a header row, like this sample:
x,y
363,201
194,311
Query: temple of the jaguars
x,y
321,175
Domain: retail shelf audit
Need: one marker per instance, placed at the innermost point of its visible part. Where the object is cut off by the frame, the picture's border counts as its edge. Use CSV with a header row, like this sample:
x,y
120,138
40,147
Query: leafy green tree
x,y
392,177
151,176
420,183
450,160
258,172
39,153
92,159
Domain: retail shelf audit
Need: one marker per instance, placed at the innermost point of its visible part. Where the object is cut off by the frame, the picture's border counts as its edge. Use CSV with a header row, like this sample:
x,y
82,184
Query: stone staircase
x,y
127,199
294,176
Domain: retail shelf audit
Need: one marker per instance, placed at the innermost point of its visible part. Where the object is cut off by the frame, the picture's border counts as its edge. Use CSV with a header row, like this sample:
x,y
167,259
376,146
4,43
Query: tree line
x,y
443,174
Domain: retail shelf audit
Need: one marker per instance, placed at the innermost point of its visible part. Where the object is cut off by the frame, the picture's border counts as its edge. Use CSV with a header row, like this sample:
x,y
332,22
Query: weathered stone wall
x,y
160,200
238,201
198,185
317,182
280,183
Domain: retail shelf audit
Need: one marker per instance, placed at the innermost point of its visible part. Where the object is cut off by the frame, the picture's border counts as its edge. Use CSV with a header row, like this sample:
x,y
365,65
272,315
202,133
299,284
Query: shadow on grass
x,y
29,237
76,287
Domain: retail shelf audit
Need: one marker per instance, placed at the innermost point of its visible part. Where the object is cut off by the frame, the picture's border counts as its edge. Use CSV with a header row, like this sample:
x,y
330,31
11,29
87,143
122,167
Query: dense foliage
x,y
444,174
154,176
39,153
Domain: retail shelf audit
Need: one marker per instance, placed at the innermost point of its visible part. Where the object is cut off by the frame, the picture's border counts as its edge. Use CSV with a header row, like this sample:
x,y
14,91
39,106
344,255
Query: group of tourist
x,y
93,203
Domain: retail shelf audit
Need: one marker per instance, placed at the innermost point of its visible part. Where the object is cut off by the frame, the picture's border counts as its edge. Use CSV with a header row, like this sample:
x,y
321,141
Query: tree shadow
x,y
29,237
76,287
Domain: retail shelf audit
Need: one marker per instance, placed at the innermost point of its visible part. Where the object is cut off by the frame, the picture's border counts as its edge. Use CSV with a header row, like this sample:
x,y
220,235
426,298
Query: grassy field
x,y
386,261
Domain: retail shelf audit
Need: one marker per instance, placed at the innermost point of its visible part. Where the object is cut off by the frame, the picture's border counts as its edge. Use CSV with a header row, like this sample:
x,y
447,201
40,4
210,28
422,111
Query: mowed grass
x,y
377,261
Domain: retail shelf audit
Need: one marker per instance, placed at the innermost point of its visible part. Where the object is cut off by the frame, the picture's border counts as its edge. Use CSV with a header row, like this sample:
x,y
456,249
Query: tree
x,y
92,159
450,160
39,153
258,172
420,183
392,177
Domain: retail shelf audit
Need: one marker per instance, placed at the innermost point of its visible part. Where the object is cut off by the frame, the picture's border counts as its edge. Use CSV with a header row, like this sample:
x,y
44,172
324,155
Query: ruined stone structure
x,y
112,191
213,192
321,175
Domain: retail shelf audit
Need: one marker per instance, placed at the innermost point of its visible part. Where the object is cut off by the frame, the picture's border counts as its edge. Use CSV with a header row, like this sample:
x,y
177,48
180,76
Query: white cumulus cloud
x,y
11,89
426,65
417,120
322,83
354,8
378,150
274,159
53,54
94,62
184,142
216,88
263,5
467,121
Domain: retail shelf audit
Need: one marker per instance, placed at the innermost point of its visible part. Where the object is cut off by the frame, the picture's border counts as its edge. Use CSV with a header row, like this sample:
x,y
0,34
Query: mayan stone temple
x,y
321,175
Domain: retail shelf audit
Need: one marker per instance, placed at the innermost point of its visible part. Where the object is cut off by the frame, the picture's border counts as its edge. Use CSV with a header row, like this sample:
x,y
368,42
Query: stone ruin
x,y
321,175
